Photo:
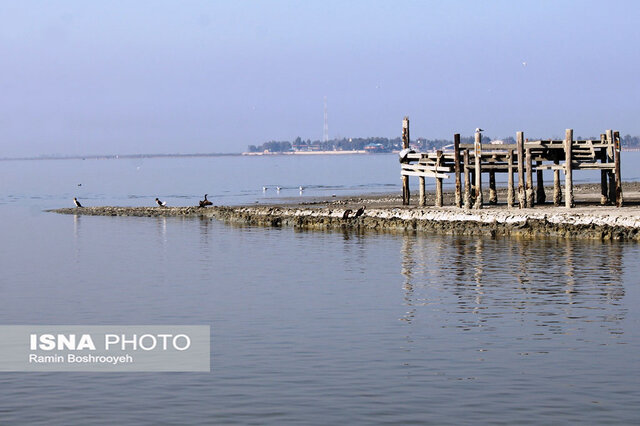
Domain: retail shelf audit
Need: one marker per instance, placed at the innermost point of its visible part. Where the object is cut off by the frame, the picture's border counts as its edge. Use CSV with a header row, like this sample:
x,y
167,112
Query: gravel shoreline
x,y
384,213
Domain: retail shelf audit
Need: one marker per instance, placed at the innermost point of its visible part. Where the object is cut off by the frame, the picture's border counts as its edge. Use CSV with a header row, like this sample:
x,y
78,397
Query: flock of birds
x,y
206,202
359,213
202,203
279,188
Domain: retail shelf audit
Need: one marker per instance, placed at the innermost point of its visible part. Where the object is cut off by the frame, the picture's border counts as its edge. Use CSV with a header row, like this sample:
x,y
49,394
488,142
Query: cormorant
x,y
205,202
360,212
77,203
346,213
161,203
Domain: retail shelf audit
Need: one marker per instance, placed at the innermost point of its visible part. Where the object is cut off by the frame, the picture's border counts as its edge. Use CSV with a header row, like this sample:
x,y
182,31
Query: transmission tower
x,y
325,132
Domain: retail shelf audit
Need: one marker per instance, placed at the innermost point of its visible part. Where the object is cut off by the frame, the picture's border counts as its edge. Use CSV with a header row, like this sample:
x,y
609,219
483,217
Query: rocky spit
x,y
382,214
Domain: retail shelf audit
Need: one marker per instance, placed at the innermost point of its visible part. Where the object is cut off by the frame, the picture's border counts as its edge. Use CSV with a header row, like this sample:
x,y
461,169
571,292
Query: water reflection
x,y
560,285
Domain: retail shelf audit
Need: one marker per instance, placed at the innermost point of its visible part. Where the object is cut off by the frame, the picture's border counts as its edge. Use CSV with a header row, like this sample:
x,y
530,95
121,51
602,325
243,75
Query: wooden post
x,y
423,196
541,197
568,169
456,160
439,200
616,161
406,195
478,170
604,190
521,181
529,167
510,192
472,178
467,181
493,193
557,189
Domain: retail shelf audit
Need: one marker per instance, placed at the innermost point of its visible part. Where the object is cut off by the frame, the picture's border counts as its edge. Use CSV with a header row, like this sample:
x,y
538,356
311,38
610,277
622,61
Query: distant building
x,y
374,148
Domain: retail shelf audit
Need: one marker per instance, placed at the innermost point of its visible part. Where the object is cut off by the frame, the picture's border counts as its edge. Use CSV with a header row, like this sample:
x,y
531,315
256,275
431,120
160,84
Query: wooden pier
x,y
467,163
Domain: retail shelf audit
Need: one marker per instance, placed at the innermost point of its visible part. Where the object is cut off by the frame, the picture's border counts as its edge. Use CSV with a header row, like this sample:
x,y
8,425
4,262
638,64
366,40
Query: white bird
x,y
301,188
264,189
524,64
478,130
278,188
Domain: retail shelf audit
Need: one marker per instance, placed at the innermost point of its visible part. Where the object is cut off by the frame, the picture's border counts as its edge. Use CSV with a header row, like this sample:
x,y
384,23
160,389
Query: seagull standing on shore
x,y
161,203
264,189
478,130
76,202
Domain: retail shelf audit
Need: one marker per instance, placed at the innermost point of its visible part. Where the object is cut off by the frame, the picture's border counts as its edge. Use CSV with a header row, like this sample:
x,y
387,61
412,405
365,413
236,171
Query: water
x,y
311,327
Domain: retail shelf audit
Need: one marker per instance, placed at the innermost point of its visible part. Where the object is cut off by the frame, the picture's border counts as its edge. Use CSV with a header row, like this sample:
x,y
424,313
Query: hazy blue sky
x,y
202,76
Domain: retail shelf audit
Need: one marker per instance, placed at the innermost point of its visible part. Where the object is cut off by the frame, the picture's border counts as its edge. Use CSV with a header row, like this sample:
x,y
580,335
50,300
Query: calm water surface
x,y
311,327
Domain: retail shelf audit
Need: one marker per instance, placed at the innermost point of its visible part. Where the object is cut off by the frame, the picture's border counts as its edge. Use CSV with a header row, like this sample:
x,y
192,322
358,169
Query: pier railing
x,y
468,162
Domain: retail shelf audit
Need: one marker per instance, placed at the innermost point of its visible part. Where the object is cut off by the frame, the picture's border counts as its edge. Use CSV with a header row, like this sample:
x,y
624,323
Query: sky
x,y
129,77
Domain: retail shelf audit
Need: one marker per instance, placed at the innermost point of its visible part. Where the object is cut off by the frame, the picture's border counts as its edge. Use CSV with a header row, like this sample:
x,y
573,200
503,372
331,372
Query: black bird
x,y
161,203
205,202
76,202
346,213
360,212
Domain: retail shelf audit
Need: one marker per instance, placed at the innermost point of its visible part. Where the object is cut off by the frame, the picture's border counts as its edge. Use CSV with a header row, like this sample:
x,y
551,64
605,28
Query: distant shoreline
x,y
122,156
312,153
201,155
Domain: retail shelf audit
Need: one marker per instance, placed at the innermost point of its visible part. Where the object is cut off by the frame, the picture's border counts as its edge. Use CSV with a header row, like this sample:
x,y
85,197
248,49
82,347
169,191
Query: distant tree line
x,y
386,144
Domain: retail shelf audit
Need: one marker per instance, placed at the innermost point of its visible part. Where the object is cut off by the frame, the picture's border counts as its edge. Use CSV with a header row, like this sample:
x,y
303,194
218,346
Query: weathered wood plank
x,y
604,190
510,191
541,197
521,181
456,159
478,170
568,177
616,161
406,194
439,197
467,180
425,174
529,168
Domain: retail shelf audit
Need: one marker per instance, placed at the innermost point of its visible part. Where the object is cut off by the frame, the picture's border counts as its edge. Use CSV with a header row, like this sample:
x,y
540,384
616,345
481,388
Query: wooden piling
x,y
616,161
521,181
604,190
541,197
439,200
423,195
557,189
529,168
478,170
467,181
568,169
456,161
493,193
510,192
406,195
